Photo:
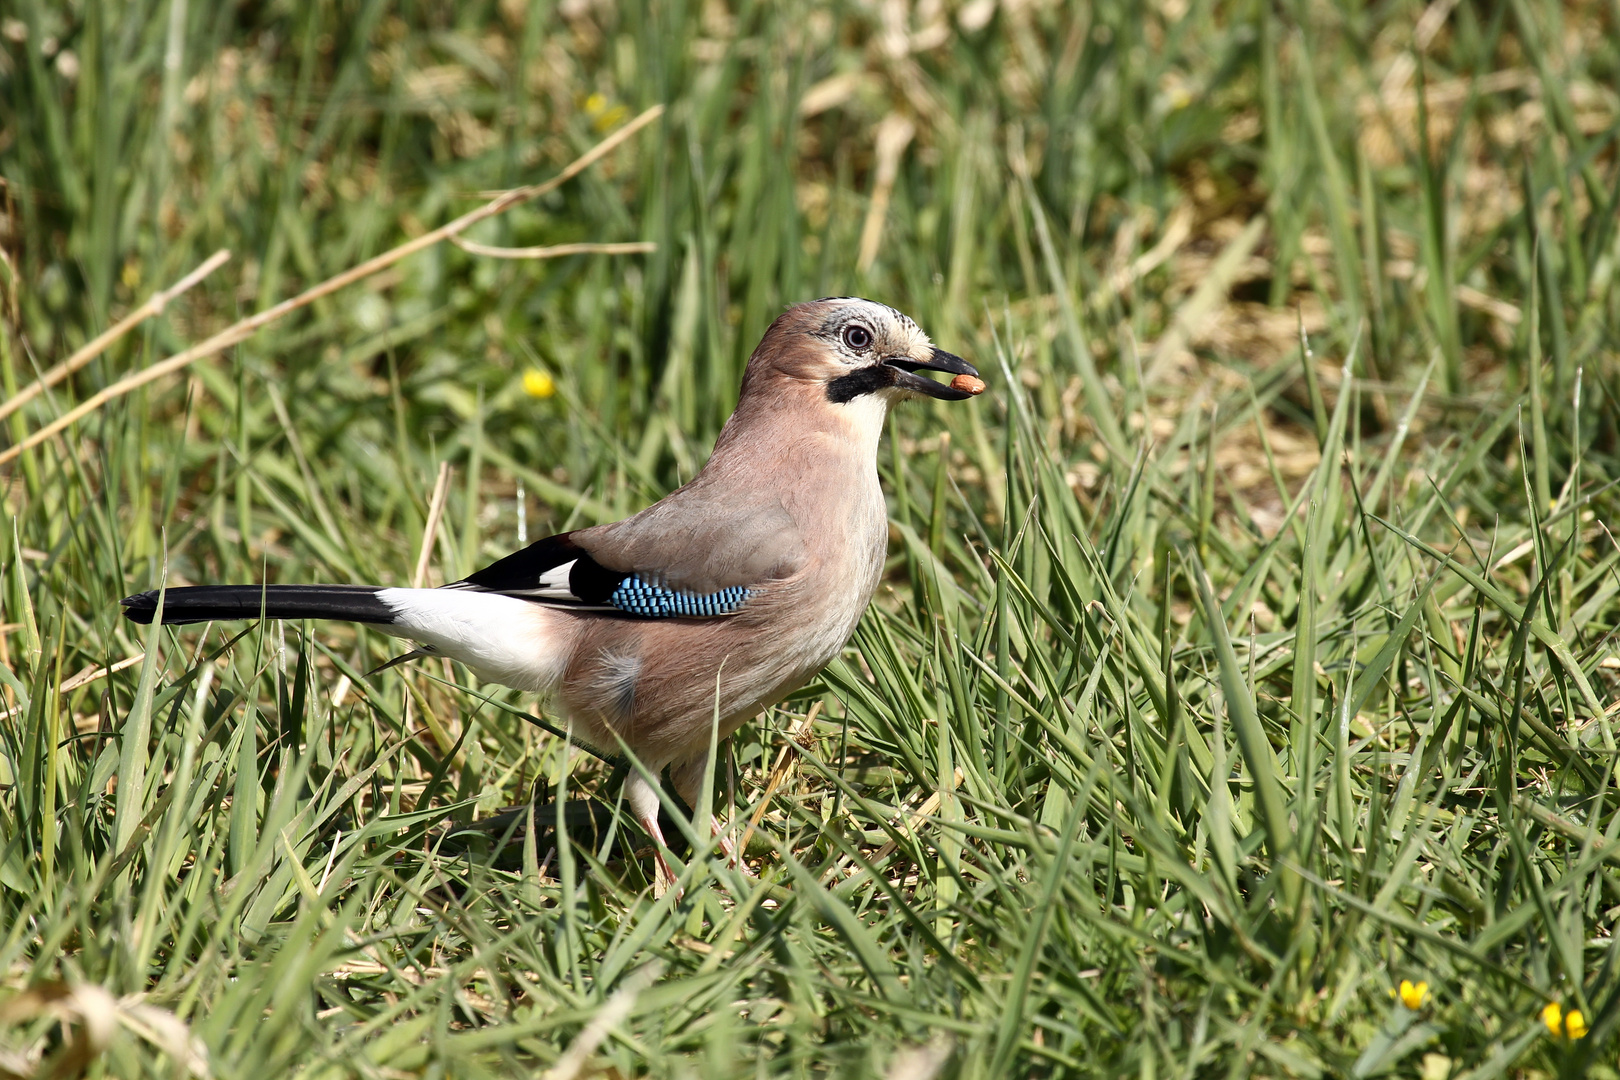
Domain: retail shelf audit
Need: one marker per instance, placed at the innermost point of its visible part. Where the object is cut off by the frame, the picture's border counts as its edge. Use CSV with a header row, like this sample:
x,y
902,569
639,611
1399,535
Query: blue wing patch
x,y
656,602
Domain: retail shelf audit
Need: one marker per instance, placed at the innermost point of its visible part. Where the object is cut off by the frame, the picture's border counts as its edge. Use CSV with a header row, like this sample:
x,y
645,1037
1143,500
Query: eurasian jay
x,y
726,595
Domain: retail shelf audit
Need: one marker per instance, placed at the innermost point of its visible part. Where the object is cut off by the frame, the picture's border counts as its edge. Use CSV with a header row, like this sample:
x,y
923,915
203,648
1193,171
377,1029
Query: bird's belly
x,y
660,684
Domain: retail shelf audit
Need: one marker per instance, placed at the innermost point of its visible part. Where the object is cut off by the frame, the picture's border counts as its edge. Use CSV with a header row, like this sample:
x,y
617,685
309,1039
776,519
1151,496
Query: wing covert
x,y
558,570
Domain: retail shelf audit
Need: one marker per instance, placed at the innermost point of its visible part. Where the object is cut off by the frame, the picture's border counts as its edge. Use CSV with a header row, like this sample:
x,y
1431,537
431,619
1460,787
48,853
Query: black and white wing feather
x,y
700,553
558,570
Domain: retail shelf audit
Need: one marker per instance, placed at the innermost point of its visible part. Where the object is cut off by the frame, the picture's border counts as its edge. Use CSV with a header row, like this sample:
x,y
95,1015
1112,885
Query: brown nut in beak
x,y
968,384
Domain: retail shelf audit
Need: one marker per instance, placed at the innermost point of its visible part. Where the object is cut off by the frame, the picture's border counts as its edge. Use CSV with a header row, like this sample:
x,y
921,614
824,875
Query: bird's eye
x,y
857,336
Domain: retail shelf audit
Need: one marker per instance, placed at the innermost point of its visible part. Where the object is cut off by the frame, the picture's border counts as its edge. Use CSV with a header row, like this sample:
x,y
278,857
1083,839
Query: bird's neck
x,y
800,420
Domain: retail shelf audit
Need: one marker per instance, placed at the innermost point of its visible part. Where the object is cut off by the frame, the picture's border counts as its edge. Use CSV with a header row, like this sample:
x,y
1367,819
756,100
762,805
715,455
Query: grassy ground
x,y
1247,651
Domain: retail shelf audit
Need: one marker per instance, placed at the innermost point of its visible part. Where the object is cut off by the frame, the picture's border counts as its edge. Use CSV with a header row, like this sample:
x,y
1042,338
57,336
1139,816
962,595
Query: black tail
x,y
206,603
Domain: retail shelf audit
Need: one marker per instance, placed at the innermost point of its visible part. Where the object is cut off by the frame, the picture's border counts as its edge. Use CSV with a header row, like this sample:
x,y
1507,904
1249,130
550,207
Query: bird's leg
x,y
723,839
643,799
734,856
663,876
687,776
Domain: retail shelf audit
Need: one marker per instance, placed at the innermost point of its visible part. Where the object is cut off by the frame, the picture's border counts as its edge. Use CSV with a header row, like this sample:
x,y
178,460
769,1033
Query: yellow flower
x,y
1413,995
604,116
1570,1025
538,384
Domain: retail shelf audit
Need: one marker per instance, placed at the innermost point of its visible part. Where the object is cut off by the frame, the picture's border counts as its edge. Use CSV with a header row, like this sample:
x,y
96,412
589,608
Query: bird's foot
x,y
728,846
663,876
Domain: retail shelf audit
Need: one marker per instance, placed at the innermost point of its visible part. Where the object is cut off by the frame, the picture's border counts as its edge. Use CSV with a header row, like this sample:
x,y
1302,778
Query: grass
x,y
1246,651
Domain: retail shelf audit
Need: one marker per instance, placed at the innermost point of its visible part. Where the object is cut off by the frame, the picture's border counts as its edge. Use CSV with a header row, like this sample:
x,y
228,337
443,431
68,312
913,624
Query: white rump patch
x,y
501,638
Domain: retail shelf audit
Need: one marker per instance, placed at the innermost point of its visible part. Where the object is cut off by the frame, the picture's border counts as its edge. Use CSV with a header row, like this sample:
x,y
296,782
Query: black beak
x,y
940,361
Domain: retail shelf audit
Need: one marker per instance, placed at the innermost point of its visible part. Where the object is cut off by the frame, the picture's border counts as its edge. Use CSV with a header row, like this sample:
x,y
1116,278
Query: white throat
x,y
865,416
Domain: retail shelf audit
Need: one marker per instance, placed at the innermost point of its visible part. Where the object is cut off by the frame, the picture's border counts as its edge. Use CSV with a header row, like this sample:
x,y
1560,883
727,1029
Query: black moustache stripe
x,y
864,380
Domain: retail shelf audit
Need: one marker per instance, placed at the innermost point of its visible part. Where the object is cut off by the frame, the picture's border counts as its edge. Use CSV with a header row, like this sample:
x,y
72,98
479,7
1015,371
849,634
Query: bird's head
x,y
855,351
